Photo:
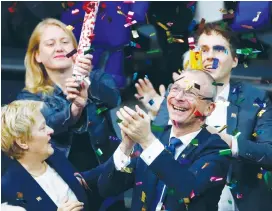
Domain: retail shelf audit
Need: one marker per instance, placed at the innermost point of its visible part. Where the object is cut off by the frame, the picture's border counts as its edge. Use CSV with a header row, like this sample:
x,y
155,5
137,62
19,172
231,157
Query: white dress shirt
x,y
55,187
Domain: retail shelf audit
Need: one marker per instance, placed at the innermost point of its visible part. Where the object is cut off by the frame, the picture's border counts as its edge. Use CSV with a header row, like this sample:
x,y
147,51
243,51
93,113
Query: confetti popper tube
x,y
86,33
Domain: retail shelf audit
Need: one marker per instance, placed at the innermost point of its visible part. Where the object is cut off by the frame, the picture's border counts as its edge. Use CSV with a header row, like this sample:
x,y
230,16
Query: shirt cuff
x,y
234,146
120,159
150,114
152,152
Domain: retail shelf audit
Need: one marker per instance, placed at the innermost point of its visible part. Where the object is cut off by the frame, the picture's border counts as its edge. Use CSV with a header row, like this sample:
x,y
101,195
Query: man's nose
x,y
180,95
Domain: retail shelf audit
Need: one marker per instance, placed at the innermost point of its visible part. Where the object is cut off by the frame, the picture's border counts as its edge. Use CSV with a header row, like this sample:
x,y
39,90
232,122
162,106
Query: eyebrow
x,y
52,39
42,124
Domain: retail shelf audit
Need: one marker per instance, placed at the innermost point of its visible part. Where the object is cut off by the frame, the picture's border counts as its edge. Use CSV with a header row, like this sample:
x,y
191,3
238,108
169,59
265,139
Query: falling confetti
x,y
217,84
71,53
69,27
143,196
215,179
257,17
139,183
205,165
223,128
157,128
99,152
225,152
151,102
194,142
135,154
261,112
100,110
118,120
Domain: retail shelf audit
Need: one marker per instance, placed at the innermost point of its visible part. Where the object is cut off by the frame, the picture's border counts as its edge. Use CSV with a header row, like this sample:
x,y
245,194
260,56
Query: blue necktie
x,y
174,143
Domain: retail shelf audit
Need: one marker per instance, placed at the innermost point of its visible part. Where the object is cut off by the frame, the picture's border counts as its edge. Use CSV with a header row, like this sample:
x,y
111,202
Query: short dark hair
x,y
225,31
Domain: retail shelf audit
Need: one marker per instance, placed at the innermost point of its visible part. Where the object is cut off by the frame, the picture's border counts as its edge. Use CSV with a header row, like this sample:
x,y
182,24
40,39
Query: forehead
x,y
213,39
52,32
188,78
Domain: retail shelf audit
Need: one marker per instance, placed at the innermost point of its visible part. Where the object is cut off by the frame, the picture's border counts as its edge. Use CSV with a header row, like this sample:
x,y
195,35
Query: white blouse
x,y
55,187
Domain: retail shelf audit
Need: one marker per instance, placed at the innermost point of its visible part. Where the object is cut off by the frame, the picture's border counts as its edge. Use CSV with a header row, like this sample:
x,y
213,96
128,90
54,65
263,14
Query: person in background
x,y
78,113
252,149
170,166
41,178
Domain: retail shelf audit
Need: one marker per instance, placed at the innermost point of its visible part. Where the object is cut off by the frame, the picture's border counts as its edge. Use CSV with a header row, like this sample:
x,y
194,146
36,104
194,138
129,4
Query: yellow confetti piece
x,y
69,27
195,61
143,196
259,175
254,134
205,165
168,33
223,128
186,200
127,170
261,112
234,115
153,34
163,26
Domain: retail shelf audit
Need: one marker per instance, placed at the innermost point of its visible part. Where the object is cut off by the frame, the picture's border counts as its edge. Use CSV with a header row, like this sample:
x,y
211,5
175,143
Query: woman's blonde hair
x,y
17,120
37,80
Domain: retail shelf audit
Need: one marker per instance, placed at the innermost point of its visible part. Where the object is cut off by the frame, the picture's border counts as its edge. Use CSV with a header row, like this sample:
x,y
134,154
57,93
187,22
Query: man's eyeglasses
x,y
187,93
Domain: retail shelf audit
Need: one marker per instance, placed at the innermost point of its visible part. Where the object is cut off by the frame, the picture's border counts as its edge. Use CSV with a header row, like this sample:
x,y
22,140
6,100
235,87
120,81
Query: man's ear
x,y
210,109
21,144
235,62
37,57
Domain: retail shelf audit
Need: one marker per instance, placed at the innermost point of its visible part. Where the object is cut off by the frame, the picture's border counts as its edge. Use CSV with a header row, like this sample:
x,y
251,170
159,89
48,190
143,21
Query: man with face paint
x,y
245,110
178,168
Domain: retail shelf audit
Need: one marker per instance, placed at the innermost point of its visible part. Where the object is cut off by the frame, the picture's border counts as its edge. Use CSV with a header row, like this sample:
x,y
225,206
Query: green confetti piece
x,y
180,201
153,51
230,202
171,191
217,84
119,120
225,152
91,50
99,152
253,56
100,110
157,128
235,132
240,100
268,179
194,142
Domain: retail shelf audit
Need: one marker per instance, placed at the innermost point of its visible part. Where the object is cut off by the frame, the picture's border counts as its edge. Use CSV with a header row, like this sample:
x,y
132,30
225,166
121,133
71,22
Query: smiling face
x,y
40,145
183,101
54,45
210,45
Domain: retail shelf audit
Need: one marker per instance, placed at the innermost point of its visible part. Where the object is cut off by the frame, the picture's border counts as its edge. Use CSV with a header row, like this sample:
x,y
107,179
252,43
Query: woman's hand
x,y
83,64
71,205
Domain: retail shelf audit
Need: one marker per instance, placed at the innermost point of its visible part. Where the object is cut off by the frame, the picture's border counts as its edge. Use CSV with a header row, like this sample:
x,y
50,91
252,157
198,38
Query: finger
x,y
175,76
72,84
78,208
70,80
140,111
84,60
143,85
124,129
148,83
139,89
126,116
120,116
162,90
85,72
71,97
75,204
71,90
83,66
132,113
87,56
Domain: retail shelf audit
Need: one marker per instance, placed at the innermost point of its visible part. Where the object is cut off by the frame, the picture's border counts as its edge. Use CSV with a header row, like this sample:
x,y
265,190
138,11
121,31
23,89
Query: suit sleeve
x,y
184,180
104,89
113,182
260,151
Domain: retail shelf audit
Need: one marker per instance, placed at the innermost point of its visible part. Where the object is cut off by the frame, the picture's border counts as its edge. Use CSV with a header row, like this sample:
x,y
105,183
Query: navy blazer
x,y
17,180
254,152
185,175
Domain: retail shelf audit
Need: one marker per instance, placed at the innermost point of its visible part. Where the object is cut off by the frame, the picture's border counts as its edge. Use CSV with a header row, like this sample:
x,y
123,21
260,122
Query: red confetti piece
x,y
135,154
247,26
88,7
103,5
12,8
91,37
198,114
239,195
70,3
215,179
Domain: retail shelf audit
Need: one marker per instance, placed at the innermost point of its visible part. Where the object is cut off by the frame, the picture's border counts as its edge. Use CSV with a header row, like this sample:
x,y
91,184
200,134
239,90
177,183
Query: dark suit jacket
x,y
254,153
184,178
17,180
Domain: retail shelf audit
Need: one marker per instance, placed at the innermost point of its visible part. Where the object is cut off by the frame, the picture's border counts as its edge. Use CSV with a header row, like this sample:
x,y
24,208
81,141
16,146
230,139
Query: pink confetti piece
x,y
130,24
75,11
239,195
215,179
192,194
139,183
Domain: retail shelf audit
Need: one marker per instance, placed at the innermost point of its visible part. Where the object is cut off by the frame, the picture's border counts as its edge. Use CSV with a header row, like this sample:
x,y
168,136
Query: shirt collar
x,y
186,139
224,93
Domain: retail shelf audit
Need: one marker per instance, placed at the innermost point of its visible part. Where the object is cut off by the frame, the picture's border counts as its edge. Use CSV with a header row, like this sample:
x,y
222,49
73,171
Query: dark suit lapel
x,y
33,191
233,109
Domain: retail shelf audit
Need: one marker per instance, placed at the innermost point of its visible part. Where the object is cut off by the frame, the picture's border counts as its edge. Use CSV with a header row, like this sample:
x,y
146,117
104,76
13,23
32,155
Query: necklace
x,y
44,169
